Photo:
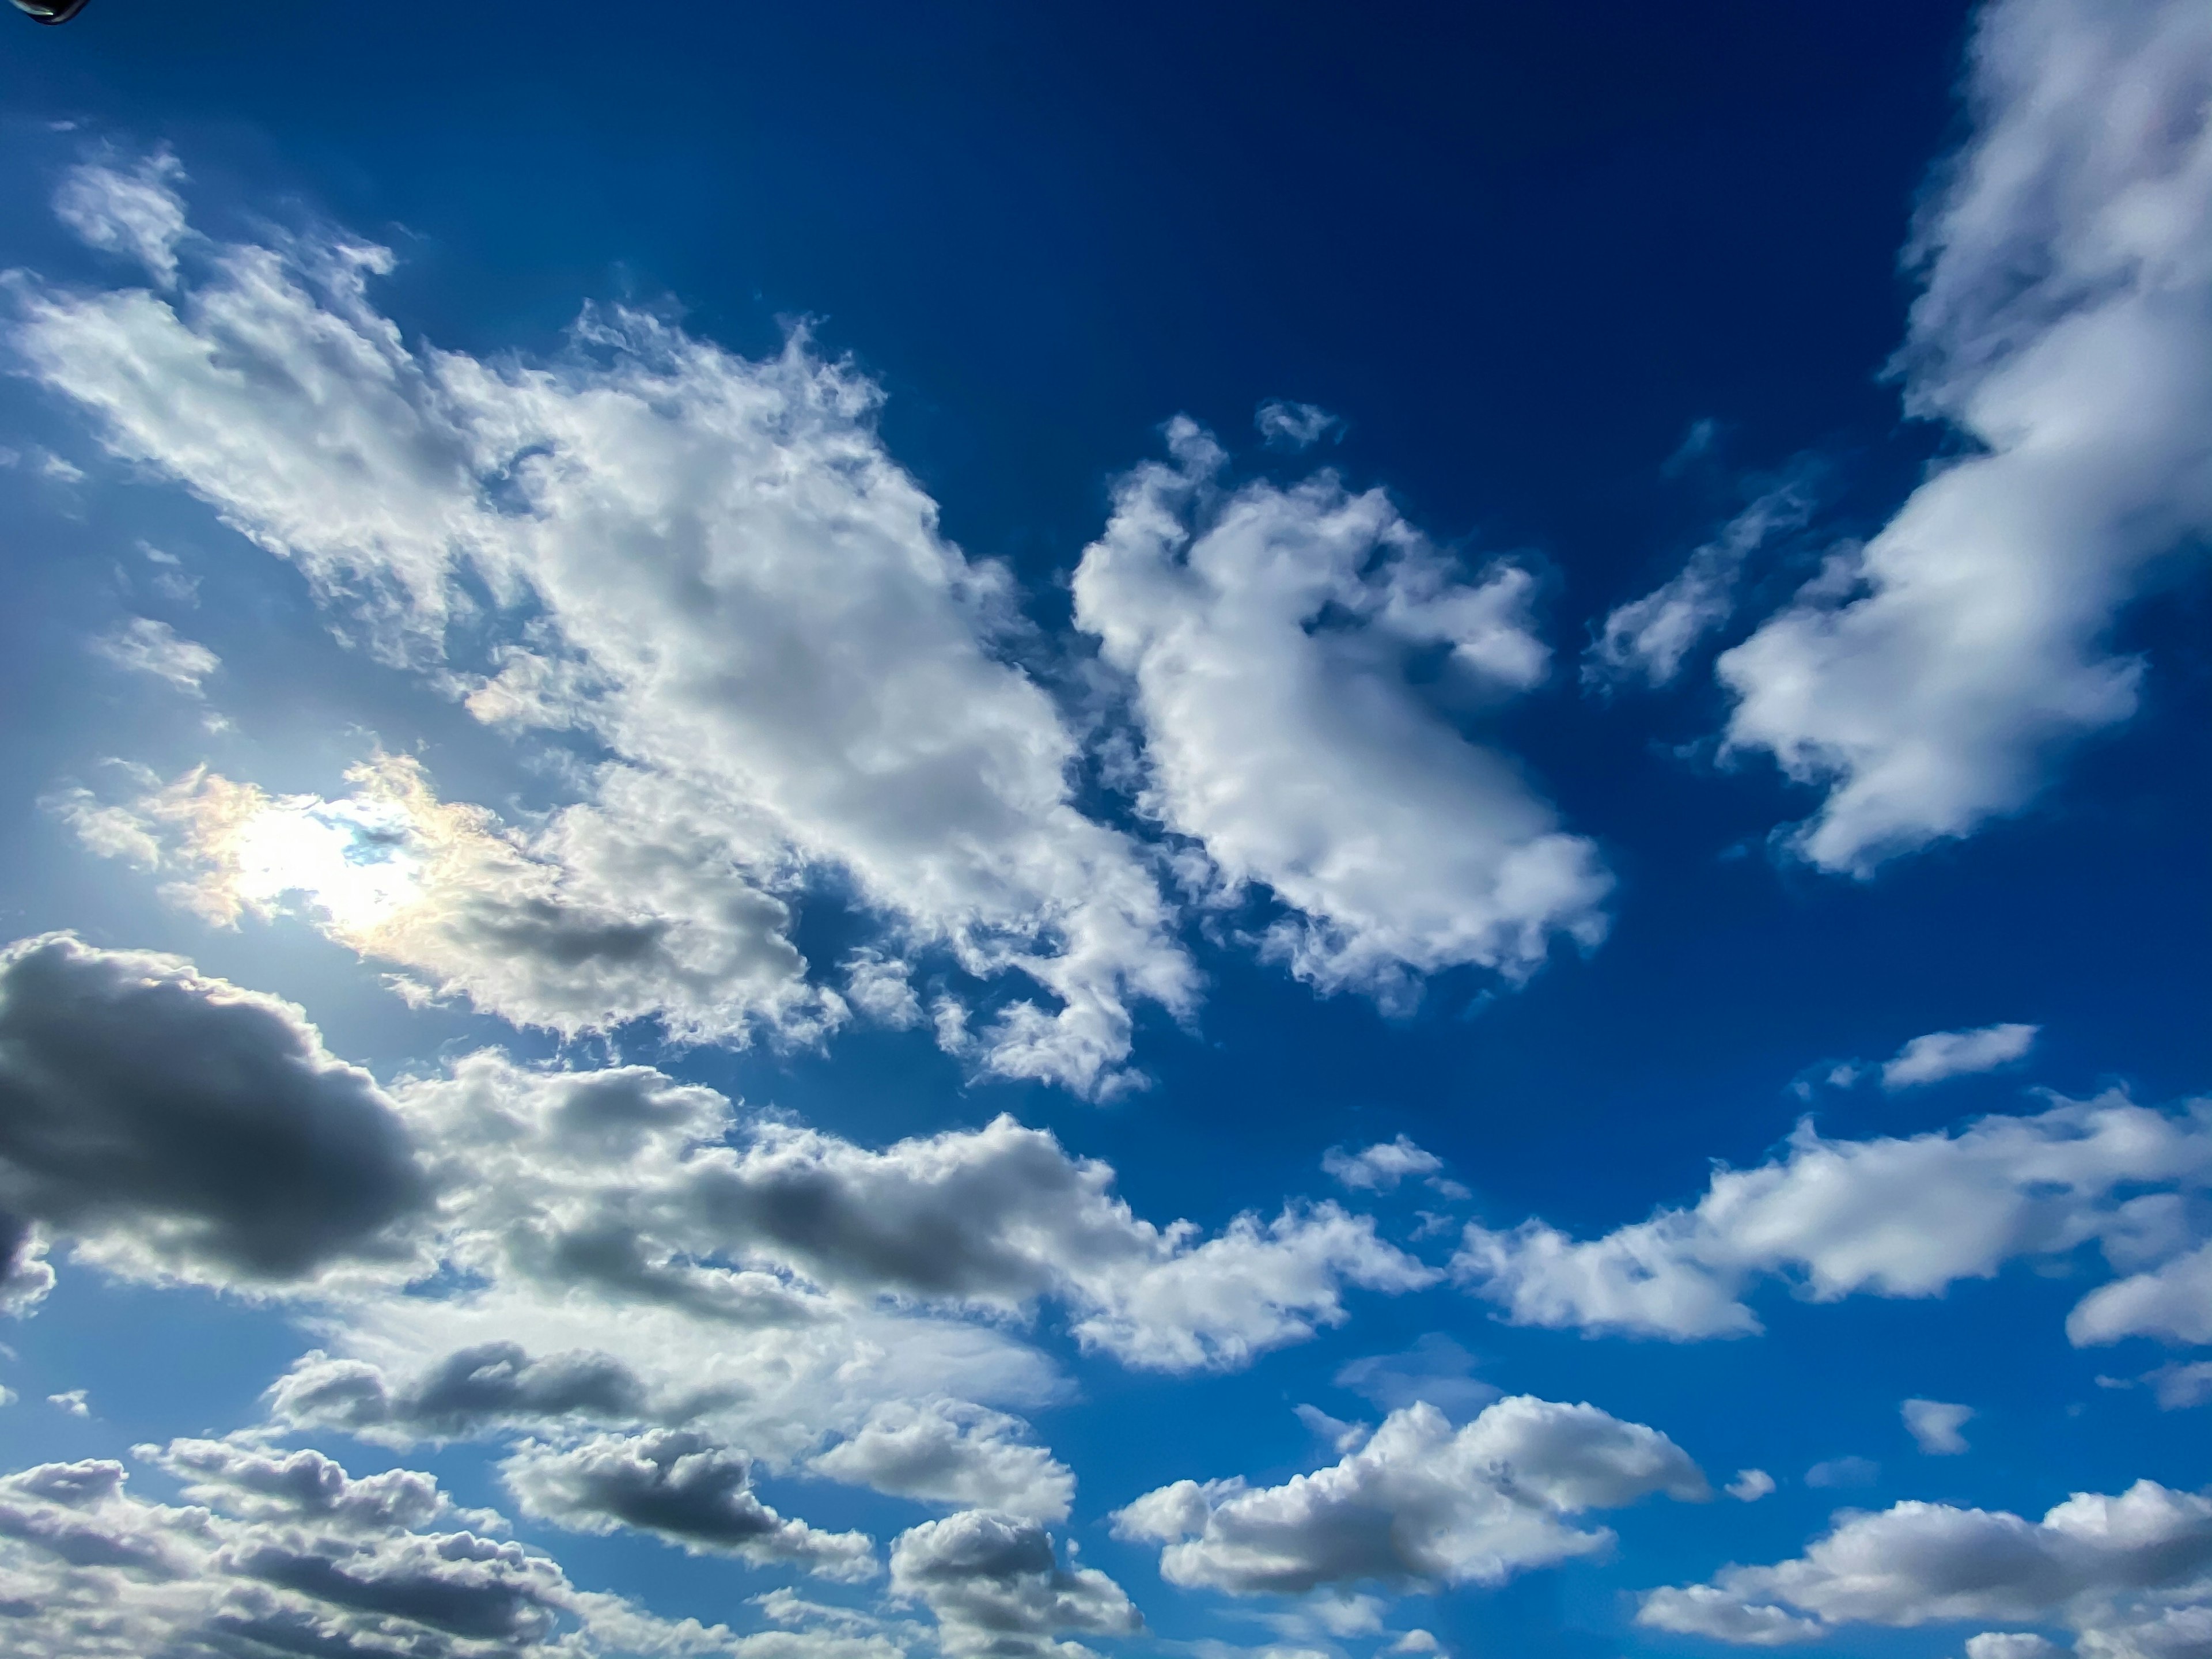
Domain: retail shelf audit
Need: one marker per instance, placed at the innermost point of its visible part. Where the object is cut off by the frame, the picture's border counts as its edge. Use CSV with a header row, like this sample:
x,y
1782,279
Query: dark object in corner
x,y
50,11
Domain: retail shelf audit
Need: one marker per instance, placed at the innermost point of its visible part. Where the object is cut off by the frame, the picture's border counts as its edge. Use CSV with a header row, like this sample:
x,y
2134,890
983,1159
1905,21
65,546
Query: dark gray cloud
x,y
286,1553
184,1125
471,1390
997,1588
682,1486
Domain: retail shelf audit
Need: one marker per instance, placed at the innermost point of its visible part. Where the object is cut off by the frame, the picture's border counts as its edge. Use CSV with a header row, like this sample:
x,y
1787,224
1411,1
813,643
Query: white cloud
x,y
1941,1054
74,1401
997,1589
1648,639
290,1554
950,1452
133,212
1381,1167
1436,1368
1418,1503
593,919
2012,1645
1934,1426
143,646
1749,1486
1899,1217
2172,1301
1294,426
728,583
2121,1570
2063,331
1269,633
1843,1473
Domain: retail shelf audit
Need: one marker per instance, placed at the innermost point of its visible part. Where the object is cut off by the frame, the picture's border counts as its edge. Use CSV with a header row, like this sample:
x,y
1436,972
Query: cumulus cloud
x,y
1899,1216
996,1588
1420,1502
1381,1167
2123,1572
2062,333
469,1392
681,1486
2172,1302
1934,1426
576,927
1648,640
1749,1486
143,646
705,565
179,1125
1941,1054
644,1195
951,1452
1269,633
291,1555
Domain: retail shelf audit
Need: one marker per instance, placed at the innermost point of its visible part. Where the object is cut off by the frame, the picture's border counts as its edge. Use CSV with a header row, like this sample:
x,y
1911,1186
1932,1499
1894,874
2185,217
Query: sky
x,y
1255,832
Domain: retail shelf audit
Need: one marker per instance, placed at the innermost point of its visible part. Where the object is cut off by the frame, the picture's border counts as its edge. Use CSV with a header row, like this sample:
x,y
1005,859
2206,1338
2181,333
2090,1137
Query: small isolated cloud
x,y
73,1401
1749,1486
1843,1473
1649,639
1295,426
143,646
1934,1426
2177,1386
1379,1168
1436,1368
1940,1055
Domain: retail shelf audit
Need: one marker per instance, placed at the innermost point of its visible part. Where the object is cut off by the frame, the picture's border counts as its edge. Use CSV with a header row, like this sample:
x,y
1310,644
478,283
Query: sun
x,y
355,861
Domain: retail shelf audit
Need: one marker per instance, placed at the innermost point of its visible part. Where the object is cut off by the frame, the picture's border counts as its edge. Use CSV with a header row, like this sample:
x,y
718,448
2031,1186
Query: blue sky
x,y
848,833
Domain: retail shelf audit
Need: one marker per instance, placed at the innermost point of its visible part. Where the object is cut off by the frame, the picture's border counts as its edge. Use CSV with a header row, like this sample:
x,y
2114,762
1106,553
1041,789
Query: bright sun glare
x,y
354,860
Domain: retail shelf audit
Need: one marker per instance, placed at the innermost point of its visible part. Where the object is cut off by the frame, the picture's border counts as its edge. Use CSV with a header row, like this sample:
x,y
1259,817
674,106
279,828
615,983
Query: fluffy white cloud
x,y
2122,1571
288,1554
179,1126
584,924
950,1452
681,1486
1418,1503
708,566
1269,633
131,210
2172,1301
1901,1217
143,646
1940,1055
1648,639
1934,1426
2064,333
1749,1486
997,1589
1381,1167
